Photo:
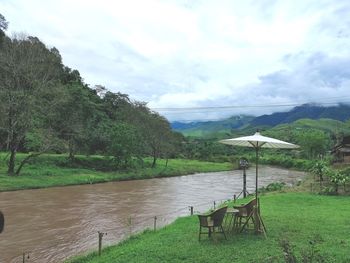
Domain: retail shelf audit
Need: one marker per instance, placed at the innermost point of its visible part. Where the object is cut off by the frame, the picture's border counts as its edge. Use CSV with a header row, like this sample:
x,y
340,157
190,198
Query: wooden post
x,y
24,257
155,223
100,235
2,221
214,205
191,210
244,183
234,198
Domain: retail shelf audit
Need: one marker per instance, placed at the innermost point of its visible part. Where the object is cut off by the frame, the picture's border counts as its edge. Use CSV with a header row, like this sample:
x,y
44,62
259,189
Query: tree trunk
x,y
25,160
154,161
71,156
11,163
71,150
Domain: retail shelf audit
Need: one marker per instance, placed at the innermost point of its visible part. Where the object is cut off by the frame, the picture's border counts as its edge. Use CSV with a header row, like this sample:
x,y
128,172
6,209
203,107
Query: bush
x,y
277,186
286,161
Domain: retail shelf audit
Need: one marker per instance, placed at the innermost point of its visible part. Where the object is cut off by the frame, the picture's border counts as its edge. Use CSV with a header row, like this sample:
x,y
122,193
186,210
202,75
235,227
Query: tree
x,y
314,142
320,169
173,146
28,75
337,178
72,116
125,142
157,135
3,27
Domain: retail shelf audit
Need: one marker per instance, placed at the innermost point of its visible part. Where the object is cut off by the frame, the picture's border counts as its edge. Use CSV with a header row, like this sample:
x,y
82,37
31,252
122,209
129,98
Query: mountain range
x,y
221,127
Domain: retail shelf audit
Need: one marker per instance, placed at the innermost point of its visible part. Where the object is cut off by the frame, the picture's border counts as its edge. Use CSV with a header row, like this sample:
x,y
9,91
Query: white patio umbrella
x,y
258,141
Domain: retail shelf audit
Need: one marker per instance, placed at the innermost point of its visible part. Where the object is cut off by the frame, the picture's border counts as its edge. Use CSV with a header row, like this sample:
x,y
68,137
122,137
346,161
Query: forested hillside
x,y
248,124
212,128
46,106
309,111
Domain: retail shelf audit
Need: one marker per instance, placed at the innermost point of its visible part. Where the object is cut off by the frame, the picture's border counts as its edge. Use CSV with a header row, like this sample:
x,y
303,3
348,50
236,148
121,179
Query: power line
x,y
182,109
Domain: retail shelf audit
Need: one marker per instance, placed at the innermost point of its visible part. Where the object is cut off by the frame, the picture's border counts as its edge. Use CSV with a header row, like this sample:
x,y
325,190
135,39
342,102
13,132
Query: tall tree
x,y
28,74
3,27
313,142
157,135
125,143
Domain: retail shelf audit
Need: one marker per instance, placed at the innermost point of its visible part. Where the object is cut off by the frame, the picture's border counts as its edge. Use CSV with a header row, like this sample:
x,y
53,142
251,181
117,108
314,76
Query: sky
x,y
200,59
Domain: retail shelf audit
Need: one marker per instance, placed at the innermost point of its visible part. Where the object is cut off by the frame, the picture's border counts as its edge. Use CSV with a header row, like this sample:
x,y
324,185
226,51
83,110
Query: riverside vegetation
x,y
50,170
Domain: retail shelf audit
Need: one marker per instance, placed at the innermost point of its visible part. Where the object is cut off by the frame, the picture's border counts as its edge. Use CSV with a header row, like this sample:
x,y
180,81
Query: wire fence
x,y
110,236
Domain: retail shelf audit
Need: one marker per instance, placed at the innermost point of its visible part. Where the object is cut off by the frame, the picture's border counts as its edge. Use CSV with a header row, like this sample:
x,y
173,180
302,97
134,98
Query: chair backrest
x,y
218,216
203,220
250,206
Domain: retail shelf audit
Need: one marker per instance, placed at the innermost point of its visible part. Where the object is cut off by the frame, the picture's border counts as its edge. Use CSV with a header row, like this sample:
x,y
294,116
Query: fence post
x,y
191,207
234,198
155,223
24,257
100,235
214,205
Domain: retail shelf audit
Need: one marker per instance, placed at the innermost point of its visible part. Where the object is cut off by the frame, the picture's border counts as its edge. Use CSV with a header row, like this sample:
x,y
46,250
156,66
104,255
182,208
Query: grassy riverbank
x,y
312,227
52,170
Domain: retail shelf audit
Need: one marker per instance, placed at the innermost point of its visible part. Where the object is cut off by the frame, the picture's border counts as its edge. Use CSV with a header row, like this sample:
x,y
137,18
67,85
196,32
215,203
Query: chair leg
x,y
199,236
222,229
245,223
233,225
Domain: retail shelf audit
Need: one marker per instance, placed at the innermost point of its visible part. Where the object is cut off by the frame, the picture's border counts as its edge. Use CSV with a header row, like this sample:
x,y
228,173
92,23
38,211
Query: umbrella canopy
x,y
259,141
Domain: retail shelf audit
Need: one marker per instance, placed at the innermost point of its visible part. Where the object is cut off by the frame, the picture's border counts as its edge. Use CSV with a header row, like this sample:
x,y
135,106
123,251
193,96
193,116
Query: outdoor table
x,y
230,220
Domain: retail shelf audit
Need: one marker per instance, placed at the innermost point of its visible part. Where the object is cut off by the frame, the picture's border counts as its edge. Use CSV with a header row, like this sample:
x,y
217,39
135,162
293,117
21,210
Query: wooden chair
x,y
212,222
244,215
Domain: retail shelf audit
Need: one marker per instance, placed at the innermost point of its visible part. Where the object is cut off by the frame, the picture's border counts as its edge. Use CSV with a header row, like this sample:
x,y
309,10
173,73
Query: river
x,y
53,224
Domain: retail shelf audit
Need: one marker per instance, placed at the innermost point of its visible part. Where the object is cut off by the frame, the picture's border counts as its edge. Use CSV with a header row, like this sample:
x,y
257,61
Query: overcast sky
x,y
200,53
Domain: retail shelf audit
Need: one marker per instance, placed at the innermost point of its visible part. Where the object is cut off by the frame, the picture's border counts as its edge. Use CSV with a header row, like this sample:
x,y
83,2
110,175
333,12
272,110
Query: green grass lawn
x,y
45,171
311,224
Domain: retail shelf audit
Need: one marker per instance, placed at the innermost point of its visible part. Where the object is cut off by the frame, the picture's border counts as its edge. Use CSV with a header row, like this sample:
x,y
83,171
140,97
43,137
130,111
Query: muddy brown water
x,y
54,224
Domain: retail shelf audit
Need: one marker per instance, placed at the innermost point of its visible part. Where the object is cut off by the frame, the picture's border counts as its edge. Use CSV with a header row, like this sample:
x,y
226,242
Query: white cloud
x,y
182,53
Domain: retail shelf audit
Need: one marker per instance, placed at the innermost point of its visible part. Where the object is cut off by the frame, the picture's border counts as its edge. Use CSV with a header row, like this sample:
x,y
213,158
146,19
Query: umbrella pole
x,y
256,210
256,172
258,222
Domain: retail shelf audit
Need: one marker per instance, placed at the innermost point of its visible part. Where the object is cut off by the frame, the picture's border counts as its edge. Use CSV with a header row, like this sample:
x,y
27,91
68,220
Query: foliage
x,y
338,178
28,72
125,142
320,169
277,186
284,160
3,27
313,142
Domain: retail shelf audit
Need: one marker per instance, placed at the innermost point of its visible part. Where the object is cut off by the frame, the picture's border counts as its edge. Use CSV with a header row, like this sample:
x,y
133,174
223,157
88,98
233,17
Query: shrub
x,y
277,186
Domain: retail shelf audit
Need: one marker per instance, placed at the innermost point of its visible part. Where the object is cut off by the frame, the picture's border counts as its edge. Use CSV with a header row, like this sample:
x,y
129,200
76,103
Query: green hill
x,y
332,120
210,129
